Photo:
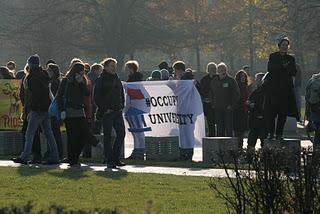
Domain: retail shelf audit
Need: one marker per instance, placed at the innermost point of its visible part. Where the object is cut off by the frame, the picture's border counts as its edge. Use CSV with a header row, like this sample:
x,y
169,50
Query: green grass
x,y
78,189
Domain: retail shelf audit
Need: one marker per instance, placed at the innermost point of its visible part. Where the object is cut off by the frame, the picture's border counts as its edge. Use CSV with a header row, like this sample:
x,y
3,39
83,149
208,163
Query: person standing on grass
x,y
132,69
109,98
70,97
53,71
37,84
95,70
24,97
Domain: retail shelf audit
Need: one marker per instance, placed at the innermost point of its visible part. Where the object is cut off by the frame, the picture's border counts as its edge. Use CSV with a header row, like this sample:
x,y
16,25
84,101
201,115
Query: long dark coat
x,y
280,97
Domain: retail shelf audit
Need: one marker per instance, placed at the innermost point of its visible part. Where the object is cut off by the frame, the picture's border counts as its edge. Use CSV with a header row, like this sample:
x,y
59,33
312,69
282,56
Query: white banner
x,y
165,108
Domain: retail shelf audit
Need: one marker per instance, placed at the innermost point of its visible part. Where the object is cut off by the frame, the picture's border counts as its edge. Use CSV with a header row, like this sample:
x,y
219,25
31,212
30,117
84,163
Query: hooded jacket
x,y
35,91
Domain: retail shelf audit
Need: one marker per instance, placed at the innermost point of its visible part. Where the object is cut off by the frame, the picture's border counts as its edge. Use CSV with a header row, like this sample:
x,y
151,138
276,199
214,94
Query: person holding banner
x,y
36,83
186,149
109,98
132,68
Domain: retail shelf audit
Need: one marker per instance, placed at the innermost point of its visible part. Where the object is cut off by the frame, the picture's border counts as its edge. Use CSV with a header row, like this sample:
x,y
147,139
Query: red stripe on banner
x,y
135,94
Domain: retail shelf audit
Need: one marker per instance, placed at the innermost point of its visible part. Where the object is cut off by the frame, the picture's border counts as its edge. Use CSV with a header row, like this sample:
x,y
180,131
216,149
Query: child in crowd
x,y
257,122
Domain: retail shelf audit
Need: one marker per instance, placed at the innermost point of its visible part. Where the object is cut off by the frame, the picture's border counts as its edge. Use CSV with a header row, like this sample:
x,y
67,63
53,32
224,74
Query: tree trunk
x,y
198,58
251,44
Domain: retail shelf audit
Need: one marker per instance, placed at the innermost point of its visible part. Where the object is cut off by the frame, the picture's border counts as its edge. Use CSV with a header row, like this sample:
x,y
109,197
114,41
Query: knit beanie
x,y
34,61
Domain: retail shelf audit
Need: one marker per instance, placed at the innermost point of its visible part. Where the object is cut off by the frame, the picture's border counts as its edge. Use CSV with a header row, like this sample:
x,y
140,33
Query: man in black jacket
x,y
37,85
109,97
208,109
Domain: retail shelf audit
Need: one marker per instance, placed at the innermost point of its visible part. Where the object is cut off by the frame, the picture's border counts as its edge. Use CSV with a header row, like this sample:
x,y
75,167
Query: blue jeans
x,y
36,119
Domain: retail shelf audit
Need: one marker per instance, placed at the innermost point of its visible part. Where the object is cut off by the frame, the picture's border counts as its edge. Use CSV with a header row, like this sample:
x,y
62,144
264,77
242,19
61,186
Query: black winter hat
x,y
34,61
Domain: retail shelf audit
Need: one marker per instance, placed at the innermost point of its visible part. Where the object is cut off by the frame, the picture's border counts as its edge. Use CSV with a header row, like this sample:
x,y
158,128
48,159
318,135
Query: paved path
x,y
147,169
132,169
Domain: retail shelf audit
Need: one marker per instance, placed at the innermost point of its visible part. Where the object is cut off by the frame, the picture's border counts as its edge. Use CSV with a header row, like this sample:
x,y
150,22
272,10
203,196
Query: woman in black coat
x,y
280,98
70,101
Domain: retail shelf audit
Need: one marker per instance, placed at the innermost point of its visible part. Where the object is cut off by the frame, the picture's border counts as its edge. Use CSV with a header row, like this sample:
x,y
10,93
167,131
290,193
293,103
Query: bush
x,y
28,208
273,181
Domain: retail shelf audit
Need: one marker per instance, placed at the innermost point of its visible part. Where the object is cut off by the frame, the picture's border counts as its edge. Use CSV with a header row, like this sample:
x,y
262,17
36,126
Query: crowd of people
x,y
91,99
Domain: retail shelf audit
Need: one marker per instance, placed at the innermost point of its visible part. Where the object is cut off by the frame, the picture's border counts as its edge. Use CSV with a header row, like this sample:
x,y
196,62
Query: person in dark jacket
x,y
70,97
132,69
297,88
5,73
257,119
164,74
37,84
109,97
95,71
205,84
241,109
11,65
225,96
54,75
36,146
280,100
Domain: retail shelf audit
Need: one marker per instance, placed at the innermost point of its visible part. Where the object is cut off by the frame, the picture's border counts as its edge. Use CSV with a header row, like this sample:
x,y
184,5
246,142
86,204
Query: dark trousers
x,y
257,130
36,146
86,152
209,114
115,120
224,120
78,133
55,125
281,121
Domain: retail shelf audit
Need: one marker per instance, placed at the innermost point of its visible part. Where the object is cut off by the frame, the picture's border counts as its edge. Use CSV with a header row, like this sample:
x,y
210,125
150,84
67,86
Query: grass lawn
x,y
77,189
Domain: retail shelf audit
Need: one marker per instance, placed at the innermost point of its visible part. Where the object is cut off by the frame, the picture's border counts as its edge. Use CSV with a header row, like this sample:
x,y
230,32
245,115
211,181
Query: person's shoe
x,y
135,157
35,161
19,160
99,146
94,142
65,160
111,166
270,137
50,162
279,137
120,163
75,165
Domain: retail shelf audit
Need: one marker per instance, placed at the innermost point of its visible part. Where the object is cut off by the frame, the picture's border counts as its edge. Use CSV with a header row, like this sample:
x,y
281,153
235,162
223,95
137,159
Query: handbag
x,y
54,107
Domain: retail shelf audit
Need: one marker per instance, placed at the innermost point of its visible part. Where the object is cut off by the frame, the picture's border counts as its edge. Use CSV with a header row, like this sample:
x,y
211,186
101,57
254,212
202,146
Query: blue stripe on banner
x,y
147,129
